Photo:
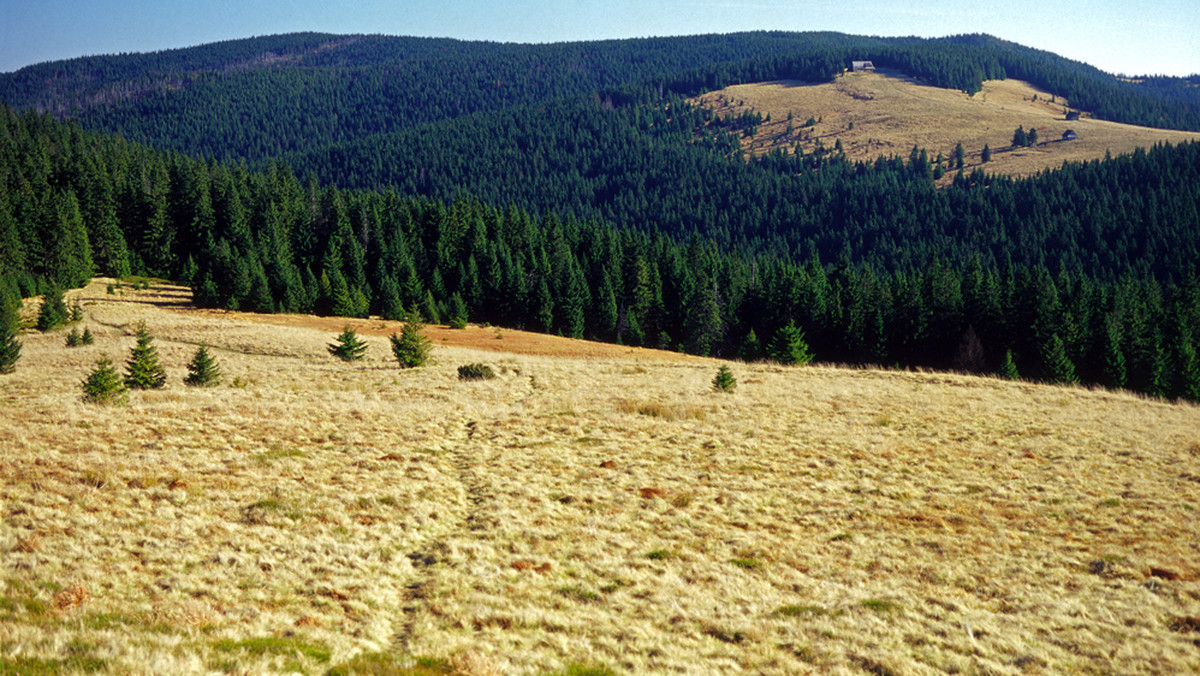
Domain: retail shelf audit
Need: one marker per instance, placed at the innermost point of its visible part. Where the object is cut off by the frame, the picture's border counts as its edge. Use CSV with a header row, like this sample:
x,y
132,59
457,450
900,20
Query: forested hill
x,y
572,188
263,97
73,204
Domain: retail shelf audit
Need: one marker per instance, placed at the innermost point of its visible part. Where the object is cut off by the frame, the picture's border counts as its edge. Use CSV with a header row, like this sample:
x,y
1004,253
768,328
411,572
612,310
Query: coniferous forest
x,y
571,189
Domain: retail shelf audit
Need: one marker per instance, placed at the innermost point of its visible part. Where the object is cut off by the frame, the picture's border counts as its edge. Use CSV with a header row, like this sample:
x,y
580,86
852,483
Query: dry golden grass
x,y
309,514
891,113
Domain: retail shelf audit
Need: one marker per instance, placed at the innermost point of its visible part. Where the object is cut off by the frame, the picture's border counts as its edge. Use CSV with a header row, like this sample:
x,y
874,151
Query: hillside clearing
x,y
580,509
890,113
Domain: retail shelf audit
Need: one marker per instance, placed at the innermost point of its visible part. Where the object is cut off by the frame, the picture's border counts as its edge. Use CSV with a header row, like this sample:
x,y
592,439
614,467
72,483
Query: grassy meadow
x,y
886,113
592,509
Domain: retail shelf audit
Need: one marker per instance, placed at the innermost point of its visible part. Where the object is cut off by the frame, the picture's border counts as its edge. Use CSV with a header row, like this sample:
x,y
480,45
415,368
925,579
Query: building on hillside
x,y
1069,135
862,66
1072,115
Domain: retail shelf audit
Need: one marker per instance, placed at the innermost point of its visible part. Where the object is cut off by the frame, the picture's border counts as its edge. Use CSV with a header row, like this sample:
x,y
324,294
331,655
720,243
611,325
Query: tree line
x,y
75,203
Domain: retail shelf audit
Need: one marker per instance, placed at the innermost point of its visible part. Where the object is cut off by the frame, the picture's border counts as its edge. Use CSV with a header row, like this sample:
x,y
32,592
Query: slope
x,y
614,511
886,113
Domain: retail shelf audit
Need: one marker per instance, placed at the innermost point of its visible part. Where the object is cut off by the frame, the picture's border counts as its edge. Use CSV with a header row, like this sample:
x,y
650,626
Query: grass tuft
x,y
798,610
285,646
657,409
579,594
880,605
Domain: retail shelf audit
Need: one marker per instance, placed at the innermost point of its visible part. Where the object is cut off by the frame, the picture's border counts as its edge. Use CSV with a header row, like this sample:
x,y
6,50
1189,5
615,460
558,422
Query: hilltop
x,y
886,113
608,510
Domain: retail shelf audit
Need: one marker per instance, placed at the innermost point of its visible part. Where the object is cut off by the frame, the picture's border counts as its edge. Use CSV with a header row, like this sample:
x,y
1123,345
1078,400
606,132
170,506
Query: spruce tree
x,y
429,308
142,369
103,385
1056,364
724,381
54,309
348,346
788,346
458,312
1113,368
986,155
1008,369
73,338
10,347
87,338
751,348
411,348
1187,365
203,370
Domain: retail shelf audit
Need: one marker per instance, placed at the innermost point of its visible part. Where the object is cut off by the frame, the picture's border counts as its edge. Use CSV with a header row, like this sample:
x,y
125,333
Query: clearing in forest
x,y
886,113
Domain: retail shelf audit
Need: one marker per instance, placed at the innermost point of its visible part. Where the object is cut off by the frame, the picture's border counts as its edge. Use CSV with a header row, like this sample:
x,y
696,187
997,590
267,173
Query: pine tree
x,y
429,309
724,380
411,348
986,155
458,312
1056,364
73,338
751,348
348,346
54,310
1008,369
10,347
87,338
706,326
103,385
390,307
1187,365
142,370
788,346
1113,368
203,370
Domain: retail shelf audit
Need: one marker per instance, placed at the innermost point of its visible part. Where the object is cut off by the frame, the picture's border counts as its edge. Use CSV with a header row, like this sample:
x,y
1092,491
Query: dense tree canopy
x,y
571,189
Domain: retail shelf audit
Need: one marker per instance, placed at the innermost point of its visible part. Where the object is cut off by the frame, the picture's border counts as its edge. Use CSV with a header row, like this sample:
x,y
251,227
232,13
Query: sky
x,y
1118,36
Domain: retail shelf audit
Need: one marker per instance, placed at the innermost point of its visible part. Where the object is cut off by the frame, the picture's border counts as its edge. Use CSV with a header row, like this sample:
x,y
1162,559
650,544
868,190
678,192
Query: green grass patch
x,y
382,664
575,669
800,609
579,594
278,454
32,666
659,555
268,505
274,645
841,537
102,621
880,605
747,563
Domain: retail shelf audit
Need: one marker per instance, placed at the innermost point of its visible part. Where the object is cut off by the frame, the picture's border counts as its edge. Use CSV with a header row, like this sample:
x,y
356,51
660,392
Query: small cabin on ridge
x,y
862,66
1069,135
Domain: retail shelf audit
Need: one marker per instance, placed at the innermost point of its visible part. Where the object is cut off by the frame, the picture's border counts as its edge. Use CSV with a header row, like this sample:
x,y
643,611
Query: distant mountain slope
x,y
883,114
263,97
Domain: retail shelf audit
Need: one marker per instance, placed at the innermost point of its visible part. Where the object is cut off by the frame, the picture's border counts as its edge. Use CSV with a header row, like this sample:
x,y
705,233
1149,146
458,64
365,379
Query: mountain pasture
x,y
605,510
886,113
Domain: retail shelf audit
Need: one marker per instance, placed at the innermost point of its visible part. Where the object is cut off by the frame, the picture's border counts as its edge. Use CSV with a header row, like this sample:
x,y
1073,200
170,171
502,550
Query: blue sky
x,y
1118,36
